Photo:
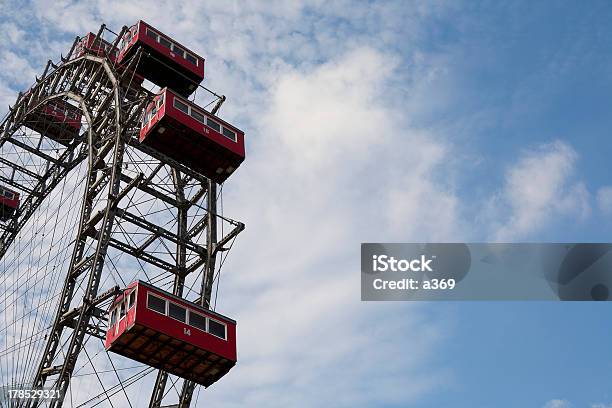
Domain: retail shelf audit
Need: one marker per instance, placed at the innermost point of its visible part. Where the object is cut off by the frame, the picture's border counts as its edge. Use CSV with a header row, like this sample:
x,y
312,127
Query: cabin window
x,y
181,106
122,313
178,50
132,299
113,318
151,34
216,328
192,59
213,125
156,304
197,116
8,195
177,312
165,42
229,134
197,320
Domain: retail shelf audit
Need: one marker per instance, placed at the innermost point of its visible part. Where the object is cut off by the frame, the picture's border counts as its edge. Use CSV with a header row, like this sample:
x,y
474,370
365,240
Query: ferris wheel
x,y
112,233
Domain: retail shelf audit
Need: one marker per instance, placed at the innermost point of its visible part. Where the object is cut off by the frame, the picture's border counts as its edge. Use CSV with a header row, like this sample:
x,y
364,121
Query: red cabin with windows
x,y
102,48
192,136
9,202
164,62
56,119
99,47
156,328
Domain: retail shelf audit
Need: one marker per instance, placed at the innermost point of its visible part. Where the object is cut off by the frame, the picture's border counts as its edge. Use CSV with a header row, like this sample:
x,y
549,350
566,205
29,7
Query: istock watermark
x,y
480,271
383,263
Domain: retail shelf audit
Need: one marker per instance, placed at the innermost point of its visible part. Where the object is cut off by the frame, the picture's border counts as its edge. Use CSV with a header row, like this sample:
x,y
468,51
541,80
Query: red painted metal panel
x,y
142,36
64,113
56,119
236,147
180,136
163,324
177,329
167,64
11,203
121,324
8,205
102,48
60,112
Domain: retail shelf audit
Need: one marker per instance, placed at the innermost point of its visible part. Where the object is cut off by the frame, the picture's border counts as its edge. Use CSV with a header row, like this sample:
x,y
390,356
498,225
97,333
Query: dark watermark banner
x,y
476,271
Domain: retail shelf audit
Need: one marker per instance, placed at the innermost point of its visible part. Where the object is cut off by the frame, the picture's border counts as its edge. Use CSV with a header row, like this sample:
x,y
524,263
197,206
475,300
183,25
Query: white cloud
x,y
419,206
315,185
7,97
331,162
538,188
16,69
557,403
601,405
604,200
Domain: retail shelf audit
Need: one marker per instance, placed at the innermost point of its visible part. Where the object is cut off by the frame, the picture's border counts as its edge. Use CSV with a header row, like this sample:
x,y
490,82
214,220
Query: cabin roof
x,y
172,39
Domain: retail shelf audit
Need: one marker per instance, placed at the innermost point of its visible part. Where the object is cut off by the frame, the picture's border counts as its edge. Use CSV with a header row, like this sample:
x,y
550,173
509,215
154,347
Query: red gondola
x,y
57,119
164,62
156,328
190,135
9,202
101,47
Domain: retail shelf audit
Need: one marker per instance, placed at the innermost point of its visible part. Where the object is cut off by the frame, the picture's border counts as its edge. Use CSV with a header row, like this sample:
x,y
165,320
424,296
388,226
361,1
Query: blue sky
x,y
391,121
536,73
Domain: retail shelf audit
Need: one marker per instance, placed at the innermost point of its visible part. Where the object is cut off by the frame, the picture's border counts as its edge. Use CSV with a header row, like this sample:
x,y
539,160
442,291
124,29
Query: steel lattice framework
x,y
176,237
